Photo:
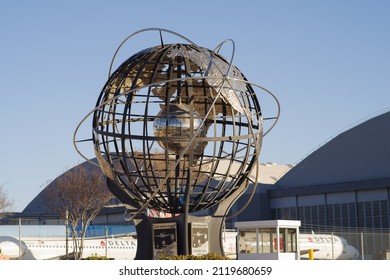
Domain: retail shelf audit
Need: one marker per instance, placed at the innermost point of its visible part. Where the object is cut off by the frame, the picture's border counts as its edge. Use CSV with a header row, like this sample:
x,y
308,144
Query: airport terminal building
x,y
342,187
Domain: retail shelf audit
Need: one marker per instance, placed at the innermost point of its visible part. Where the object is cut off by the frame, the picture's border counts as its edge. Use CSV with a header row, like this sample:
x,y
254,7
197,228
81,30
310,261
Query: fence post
x,y
106,241
362,243
332,246
20,239
66,233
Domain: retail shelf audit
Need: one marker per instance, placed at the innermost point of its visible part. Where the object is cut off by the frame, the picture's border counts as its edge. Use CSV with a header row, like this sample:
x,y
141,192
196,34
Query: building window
x,y
360,209
274,214
286,213
368,214
300,214
307,215
376,214
287,240
314,214
265,240
252,241
352,214
293,213
384,214
344,215
321,215
337,215
329,213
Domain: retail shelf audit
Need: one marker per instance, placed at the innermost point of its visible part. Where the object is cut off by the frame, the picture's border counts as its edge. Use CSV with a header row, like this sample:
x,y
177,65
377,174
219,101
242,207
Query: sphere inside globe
x,y
176,128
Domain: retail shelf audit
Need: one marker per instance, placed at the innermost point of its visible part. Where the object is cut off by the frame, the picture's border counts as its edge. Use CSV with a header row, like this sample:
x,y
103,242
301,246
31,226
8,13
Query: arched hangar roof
x,y
361,153
39,203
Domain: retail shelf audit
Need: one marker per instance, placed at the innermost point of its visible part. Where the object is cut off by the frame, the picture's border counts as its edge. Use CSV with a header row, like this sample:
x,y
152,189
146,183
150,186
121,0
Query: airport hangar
x,y
343,186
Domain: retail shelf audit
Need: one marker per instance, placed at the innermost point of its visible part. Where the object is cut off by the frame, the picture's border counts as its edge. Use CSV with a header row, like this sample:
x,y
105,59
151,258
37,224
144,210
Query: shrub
x,y
209,256
96,257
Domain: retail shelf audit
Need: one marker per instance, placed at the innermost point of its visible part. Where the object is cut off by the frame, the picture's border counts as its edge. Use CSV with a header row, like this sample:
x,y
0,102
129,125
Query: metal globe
x,y
177,128
177,124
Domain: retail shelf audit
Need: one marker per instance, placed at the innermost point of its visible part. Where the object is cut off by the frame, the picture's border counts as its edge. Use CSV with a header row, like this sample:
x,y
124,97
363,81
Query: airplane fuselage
x,y
47,248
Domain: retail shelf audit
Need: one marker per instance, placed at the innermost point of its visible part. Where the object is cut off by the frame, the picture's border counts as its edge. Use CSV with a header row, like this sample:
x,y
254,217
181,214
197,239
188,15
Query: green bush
x,y
209,256
96,257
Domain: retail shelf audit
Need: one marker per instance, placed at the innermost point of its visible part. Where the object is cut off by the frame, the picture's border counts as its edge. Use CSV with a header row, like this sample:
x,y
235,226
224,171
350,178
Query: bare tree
x,y
5,203
83,193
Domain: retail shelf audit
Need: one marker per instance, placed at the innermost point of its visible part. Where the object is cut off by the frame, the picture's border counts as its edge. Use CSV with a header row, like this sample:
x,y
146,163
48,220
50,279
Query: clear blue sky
x,y
328,62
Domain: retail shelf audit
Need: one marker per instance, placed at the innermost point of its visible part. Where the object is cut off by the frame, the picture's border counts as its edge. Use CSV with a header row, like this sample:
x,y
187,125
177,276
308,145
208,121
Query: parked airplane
x,y
326,247
124,247
51,248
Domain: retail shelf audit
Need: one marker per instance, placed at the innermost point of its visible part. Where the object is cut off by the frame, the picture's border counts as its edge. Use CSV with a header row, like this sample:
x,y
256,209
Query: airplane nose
x,y
355,253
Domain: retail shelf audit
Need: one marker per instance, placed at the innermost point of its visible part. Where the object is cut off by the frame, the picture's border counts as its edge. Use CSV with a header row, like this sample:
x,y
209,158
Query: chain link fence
x,y
372,243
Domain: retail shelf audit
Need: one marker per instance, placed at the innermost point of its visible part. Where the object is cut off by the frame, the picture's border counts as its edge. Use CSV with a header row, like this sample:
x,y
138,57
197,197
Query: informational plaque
x,y
164,239
199,239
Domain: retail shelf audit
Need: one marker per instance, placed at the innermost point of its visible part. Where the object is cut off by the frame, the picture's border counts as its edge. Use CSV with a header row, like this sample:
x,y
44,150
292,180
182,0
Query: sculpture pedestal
x,y
159,236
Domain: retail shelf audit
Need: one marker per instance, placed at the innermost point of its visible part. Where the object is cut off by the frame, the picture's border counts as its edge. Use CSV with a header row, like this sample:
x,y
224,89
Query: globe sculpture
x,y
177,128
